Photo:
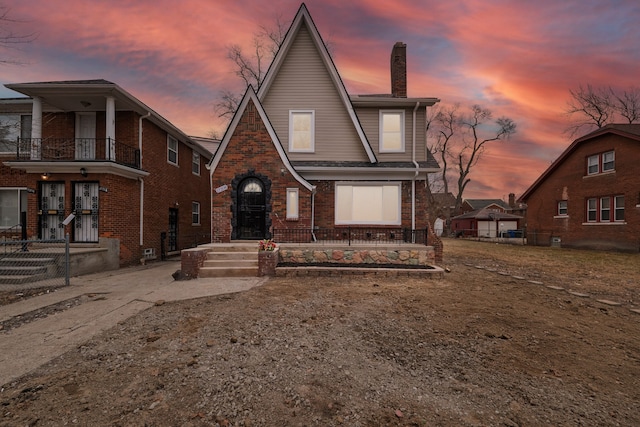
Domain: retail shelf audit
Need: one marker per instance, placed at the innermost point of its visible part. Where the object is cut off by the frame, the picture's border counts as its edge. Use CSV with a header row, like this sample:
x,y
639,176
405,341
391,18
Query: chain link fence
x,y
29,264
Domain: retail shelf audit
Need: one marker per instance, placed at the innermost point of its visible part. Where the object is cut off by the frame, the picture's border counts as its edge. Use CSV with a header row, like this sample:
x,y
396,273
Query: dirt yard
x,y
491,344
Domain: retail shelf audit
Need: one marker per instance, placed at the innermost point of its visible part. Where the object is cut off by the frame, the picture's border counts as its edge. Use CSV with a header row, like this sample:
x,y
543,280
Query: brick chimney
x,y
512,200
399,70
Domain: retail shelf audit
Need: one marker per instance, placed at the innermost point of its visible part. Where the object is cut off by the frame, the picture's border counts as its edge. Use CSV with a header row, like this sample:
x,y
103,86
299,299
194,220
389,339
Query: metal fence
x,y
351,235
27,264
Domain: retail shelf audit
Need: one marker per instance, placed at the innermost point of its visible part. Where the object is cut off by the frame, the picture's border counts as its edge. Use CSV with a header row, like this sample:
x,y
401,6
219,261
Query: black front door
x,y
251,209
173,230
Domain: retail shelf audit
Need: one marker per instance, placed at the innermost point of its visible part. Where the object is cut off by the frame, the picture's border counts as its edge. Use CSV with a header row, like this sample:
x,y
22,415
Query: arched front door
x,y
251,209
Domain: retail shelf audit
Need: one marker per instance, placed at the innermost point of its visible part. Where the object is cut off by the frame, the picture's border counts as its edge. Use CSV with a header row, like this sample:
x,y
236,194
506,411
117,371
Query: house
x,y
135,183
486,222
496,205
590,195
302,155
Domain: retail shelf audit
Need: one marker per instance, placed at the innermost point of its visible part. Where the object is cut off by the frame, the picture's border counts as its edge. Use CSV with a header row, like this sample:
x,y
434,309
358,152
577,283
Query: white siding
x,y
304,83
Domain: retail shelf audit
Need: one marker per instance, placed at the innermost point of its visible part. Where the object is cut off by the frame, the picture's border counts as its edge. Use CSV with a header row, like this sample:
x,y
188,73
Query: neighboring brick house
x,y
92,149
590,196
301,154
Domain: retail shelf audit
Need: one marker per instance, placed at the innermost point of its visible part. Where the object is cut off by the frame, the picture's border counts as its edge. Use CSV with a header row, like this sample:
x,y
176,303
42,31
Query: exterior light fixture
x,y
83,172
45,176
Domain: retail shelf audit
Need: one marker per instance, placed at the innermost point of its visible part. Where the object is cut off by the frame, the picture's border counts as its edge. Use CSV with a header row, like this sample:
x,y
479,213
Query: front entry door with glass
x,y
251,210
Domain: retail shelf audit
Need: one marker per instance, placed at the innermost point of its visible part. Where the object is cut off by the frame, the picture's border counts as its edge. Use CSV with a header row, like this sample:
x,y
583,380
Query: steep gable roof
x,y
250,96
631,131
304,18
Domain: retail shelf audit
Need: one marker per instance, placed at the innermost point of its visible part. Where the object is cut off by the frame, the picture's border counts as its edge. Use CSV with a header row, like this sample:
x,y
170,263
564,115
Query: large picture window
x,y
301,131
13,126
12,202
373,203
391,131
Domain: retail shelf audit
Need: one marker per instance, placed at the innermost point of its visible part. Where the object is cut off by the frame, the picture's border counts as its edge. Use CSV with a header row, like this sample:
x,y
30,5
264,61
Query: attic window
x,y
301,131
391,131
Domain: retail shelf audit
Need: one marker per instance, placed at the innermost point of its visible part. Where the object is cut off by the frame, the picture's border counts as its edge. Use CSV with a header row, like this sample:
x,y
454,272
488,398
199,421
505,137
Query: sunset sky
x,y
519,58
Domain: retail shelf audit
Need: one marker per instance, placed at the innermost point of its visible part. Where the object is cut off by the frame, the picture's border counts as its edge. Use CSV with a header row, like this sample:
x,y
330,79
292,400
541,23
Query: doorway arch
x,y
251,207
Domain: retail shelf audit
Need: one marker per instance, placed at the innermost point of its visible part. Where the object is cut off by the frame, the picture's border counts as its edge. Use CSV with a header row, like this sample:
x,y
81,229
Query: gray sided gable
x,y
303,77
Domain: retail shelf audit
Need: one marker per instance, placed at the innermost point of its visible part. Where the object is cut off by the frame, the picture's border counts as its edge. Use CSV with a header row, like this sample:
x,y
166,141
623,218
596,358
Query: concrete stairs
x,y
18,270
231,260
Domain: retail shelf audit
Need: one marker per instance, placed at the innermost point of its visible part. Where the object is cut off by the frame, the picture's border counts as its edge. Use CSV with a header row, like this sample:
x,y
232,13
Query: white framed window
x,y
12,127
292,203
608,161
368,203
172,150
391,131
605,209
592,210
601,163
302,131
195,163
13,201
195,213
562,208
618,205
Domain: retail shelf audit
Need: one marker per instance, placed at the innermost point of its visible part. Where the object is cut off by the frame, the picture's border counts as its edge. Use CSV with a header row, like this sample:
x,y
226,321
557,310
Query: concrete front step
x,y
213,256
231,263
228,271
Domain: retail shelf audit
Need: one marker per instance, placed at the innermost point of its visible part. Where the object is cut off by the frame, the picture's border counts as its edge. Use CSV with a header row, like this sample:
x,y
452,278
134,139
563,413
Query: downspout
x,y
413,181
313,213
140,178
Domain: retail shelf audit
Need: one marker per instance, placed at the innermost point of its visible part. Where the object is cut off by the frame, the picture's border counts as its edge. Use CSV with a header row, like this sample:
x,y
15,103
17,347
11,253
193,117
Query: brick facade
x,y
569,181
166,186
251,153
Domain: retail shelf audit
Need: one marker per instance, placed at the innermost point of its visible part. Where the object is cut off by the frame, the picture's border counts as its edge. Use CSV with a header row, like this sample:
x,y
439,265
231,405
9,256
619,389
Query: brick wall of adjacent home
x,y
568,182
251,151
167,186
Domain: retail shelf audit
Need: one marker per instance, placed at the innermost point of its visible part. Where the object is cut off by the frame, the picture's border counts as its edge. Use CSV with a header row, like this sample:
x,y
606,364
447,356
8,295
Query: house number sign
x,y
222,188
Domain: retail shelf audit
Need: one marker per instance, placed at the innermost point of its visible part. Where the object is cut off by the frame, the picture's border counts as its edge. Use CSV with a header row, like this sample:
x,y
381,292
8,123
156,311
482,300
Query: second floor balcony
x,y
77,150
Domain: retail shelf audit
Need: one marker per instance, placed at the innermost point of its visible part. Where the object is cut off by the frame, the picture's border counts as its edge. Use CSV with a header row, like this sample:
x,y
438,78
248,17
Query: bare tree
x,y
10,39
592,108
627,104
460,141
251,67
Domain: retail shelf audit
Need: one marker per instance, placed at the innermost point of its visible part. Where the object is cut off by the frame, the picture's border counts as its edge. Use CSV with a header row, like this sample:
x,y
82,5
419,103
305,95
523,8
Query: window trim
x,y
22,192
381,147
598,161
170,150
195,162
312,130
612,210
291,213
559,210
195,210
368,184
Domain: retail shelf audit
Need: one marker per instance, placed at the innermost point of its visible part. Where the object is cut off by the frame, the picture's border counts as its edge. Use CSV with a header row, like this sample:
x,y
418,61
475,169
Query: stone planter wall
x,y
422,255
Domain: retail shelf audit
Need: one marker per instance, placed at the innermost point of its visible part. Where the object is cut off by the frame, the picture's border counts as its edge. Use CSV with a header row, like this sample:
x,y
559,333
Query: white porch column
x,y
110,128
36,129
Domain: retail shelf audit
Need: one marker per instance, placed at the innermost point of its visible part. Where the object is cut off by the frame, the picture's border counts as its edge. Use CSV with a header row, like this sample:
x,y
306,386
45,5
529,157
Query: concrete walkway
x,y
123,293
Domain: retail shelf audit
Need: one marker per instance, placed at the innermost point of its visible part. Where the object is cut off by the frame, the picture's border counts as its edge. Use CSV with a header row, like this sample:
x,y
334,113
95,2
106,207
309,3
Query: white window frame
x,y
611,161
618,207
312,131
170,140
16,122
354,201
22,196
195,163
604,210
593,161
383,132
563,208
593,209
293,204
195,213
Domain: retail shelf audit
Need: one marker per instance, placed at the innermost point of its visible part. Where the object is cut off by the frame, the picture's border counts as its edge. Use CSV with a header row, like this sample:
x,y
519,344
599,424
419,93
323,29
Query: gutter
x,y
140,179
413,181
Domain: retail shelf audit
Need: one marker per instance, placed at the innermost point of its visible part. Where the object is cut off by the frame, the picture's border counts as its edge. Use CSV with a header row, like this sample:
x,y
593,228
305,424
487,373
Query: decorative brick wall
x,y
191,262
267,262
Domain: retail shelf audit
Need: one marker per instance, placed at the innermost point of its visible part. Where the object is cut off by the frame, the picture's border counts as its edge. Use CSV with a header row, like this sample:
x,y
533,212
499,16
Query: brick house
x,y
302,154
590,196
134,181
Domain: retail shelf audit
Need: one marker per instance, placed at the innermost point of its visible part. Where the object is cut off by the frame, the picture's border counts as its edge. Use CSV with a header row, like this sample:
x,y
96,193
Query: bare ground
x,y
490,344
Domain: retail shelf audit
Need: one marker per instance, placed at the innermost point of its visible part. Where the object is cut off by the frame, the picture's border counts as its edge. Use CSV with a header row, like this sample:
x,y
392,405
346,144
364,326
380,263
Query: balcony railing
x,y
77,149
351,235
